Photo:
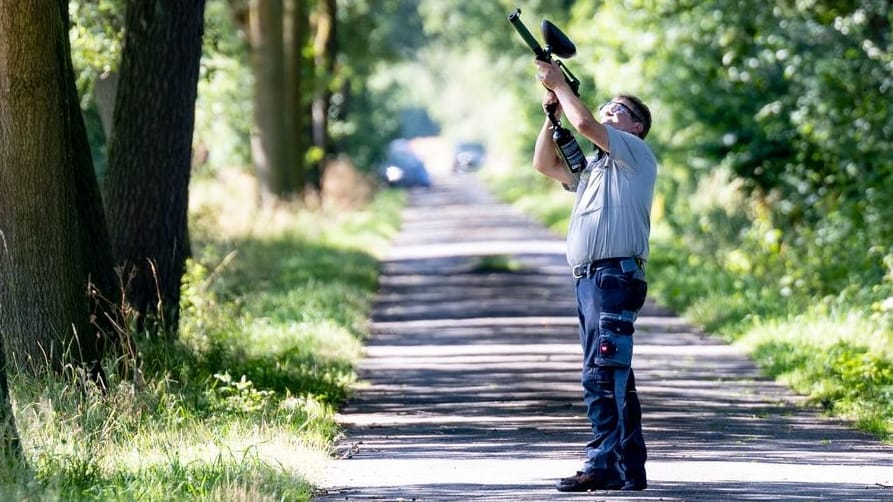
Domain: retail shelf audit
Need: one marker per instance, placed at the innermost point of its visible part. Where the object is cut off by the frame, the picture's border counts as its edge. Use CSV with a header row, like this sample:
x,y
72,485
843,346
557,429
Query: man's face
x,y
619,114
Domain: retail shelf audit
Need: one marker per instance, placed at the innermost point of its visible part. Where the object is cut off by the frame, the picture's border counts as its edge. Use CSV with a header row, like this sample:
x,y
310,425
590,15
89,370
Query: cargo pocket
x,y
615,342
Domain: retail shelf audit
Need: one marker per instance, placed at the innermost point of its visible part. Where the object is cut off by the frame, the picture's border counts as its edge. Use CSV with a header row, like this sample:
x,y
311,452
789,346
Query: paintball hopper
x,y
557,42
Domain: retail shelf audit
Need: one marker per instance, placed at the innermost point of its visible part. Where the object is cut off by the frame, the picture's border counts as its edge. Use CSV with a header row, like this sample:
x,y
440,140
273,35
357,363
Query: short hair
x,y
640,109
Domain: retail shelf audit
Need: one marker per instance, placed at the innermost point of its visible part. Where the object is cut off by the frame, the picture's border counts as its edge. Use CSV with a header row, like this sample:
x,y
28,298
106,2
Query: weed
x,y
241,405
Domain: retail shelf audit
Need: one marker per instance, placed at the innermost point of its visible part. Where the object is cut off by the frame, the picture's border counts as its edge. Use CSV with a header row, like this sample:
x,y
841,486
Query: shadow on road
x,y
470,389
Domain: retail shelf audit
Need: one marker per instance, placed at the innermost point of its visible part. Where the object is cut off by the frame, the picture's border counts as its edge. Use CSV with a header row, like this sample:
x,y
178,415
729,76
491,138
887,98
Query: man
x,y
607,246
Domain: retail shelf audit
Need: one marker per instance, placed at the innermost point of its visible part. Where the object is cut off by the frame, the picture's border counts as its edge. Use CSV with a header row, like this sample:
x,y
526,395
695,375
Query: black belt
x,y
625,264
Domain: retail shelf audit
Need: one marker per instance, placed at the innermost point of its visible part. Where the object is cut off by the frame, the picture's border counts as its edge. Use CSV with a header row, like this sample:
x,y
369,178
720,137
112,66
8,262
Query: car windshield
x,y
470,147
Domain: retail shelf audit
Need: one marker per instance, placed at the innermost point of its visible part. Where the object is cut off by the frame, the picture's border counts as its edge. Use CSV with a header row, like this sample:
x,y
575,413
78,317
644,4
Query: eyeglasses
x,y
618,108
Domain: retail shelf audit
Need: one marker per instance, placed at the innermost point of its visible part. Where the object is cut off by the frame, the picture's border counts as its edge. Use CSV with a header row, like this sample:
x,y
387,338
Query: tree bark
x,y
324,50
294,38
43,301
268,141
147,186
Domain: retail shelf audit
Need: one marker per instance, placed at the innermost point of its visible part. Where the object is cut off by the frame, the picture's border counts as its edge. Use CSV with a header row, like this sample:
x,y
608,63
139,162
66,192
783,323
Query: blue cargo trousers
x,y
608,301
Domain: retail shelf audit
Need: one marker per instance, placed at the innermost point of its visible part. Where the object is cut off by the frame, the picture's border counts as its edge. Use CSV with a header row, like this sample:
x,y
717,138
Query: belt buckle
x,y
581,271
628,265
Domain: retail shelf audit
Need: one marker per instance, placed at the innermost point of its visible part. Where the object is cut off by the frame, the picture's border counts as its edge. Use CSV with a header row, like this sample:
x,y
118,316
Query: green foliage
x,y
223,107
373,37
790,100
845,376
460,62
773,132
96,36
242,405
496,264
236,396
467,26
376,120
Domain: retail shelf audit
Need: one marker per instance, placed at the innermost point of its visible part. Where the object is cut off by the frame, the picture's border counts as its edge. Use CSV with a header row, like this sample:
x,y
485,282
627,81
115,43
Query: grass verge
x,y
241,407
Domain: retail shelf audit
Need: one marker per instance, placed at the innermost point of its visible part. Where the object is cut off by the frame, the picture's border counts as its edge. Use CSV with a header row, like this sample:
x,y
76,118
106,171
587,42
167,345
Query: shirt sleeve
x,y
628,151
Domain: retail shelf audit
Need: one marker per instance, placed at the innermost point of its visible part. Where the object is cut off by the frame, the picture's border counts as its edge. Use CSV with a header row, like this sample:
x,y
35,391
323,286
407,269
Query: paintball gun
x,y
558,44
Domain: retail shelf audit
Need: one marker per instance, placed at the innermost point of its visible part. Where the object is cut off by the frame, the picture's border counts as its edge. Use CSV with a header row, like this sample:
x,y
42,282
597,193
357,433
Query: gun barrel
x,y
515,19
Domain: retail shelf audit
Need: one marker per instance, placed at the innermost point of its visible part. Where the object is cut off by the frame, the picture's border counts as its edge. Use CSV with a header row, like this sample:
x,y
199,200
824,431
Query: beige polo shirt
x,y
612,212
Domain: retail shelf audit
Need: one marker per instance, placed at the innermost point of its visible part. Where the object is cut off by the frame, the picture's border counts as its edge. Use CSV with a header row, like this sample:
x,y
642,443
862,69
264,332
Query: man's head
x,y
627,113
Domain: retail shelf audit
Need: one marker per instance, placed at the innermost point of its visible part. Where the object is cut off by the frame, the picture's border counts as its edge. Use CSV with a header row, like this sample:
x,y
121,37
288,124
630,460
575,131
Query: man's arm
x,y
545,158
579,116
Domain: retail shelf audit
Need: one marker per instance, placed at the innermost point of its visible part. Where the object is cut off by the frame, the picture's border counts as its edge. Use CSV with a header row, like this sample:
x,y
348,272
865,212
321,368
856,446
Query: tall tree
x,y
45,264
147,186
269,142
294,37
324,52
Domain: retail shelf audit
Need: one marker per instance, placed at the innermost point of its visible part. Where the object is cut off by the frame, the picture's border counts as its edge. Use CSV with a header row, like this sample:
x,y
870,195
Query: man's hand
x,y
551,100
549,74
574,111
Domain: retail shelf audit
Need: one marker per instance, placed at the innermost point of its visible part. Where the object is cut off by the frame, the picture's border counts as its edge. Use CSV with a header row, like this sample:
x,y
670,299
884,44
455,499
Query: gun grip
x,y
550,113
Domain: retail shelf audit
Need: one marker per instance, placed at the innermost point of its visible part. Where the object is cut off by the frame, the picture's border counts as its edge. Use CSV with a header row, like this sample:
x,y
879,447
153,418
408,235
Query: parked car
x,y
468,157
403,169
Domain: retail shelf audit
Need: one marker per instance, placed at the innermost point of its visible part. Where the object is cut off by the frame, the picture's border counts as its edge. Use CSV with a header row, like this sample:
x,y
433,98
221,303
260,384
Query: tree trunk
x,y
269,140
324,47
43,301
294,38
147,186
10,445
102,285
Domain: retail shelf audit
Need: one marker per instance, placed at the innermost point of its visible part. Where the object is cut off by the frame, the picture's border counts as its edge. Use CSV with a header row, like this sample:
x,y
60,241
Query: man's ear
x,y
638,127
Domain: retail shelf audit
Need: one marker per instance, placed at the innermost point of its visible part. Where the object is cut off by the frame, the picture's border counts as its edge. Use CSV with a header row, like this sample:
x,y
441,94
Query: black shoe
x,y
634,485
587,481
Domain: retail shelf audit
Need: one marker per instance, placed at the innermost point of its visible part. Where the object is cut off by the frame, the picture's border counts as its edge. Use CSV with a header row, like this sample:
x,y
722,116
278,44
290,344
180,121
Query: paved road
x,y
470,389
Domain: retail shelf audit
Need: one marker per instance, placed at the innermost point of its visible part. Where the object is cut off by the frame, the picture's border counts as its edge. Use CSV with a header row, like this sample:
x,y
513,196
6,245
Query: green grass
x,y
241,406
836,351
842,364
496,264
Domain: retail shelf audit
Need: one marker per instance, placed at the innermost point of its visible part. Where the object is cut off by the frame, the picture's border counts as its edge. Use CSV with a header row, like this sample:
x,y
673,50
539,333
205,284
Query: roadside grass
x,y
241,407
842,363
496,264
836,351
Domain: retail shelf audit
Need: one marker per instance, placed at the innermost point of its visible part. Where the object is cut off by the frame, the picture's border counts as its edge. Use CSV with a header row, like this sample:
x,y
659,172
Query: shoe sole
x,y
589,488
